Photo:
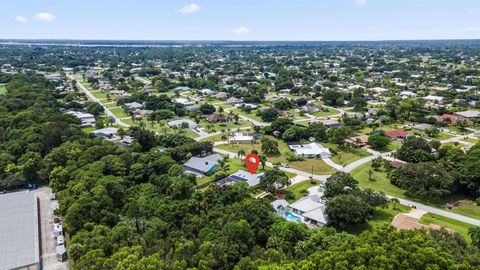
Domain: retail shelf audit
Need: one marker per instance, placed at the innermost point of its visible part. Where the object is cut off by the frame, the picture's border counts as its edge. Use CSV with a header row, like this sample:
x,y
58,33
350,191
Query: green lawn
x,y
378,182
119,112
443,136
128,121
392,146
471,140
381,216
250,115
3,89
458,226
346,155
224,126
99,94
111,105
88,129
326,112
295,192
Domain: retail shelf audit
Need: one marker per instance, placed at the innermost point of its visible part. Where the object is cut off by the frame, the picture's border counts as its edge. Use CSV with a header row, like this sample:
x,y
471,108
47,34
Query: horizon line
x,y
233,40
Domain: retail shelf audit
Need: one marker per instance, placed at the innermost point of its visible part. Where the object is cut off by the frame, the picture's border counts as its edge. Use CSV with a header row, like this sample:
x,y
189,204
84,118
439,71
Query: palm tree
x,y
263,160
241,153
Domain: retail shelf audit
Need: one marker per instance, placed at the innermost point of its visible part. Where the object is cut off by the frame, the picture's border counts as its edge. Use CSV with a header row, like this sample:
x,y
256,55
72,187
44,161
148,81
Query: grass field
x,y
378,182
326,112
99,94
346,155
458,226
471,140
250,115
224,126
3,89
119,112
128,121
295,192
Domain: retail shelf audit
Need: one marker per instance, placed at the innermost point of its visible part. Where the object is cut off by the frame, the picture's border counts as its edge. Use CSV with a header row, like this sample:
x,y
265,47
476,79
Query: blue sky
x,y
240,19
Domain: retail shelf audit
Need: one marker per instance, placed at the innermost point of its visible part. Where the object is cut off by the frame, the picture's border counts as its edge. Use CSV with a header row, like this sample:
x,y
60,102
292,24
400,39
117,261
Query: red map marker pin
x,y
252,162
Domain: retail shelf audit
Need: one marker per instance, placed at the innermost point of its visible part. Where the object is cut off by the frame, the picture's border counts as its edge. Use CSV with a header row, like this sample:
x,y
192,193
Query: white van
x,y
60,240
58,230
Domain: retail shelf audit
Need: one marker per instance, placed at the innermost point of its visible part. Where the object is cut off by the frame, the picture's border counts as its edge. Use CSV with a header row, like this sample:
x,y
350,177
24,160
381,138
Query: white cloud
x,y
470,29
20,20
242,30
360,2
189,9
44,17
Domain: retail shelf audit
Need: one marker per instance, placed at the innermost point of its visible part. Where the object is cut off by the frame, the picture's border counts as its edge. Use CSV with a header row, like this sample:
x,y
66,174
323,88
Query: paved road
x,y
330,163
439,212
48,240
118,121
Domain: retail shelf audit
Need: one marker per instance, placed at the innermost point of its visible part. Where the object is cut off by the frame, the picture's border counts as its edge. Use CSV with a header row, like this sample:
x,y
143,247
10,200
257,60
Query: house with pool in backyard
x,y
309,210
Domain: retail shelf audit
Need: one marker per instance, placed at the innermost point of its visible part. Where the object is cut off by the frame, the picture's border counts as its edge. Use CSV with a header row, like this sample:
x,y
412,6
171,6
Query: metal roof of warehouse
x,y
19,240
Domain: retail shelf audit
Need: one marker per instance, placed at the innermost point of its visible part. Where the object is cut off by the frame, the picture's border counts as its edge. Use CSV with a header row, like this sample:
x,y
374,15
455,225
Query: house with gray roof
x,y
241,176
308,210
203,165
105,133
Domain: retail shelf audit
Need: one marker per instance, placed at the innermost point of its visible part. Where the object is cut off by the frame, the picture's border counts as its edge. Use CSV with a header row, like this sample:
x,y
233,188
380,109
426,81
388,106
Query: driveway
x,y
48,240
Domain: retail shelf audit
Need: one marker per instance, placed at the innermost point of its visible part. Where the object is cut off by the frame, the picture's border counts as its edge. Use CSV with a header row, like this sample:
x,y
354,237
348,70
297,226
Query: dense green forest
x,y
133,208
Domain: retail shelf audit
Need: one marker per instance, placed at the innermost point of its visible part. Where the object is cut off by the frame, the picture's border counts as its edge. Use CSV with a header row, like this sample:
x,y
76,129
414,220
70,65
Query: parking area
x,y
47,235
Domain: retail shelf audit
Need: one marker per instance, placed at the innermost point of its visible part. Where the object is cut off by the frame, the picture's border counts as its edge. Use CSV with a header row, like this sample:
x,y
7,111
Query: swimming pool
x,y
291,216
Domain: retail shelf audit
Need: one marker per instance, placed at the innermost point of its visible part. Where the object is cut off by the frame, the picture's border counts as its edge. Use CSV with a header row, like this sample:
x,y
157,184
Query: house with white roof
x,y
182,122
468,114
87,119
133,105
408,94
207,92
311,150
240,138
379,90
184,102
432,98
